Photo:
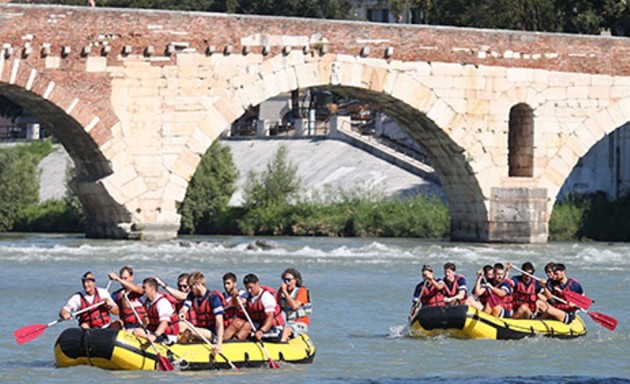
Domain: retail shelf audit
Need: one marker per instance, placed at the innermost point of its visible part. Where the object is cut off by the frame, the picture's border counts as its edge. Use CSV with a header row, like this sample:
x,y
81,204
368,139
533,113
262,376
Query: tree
x,y
19,184
209,191
278,184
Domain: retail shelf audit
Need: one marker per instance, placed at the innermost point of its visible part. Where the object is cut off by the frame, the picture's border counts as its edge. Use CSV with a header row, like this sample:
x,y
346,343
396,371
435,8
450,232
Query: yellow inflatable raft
x,y
464,322
118,350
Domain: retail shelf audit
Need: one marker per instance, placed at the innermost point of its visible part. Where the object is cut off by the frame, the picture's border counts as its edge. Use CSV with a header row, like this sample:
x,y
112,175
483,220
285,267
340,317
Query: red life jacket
x,y
154,318
431,296
561,295
177,304
506,301
525,295
97,317
205,317
231,311
126,314
256,309
452,291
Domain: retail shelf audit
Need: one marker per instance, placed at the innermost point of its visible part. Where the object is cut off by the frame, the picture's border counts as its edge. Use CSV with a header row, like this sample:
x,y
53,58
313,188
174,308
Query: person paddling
x,y
163,323
128,319
209,307
88,296
525,292
453,286
427,292
559,310
262,308
232,294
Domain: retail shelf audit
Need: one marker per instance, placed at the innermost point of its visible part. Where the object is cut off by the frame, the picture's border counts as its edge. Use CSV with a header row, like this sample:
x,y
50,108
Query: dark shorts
x,y
505,313
568,317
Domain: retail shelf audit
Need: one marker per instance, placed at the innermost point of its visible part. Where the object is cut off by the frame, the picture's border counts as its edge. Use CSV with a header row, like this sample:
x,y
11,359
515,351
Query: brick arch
x,y
422,114
81,130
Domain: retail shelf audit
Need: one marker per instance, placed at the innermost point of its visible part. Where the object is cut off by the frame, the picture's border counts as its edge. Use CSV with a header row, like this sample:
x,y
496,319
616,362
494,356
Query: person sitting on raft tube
x,y
502,288
564,312
295,302
525,292
453,286
262,308
209,308
232,294
427,292
483,283
163,324
128,319
88,296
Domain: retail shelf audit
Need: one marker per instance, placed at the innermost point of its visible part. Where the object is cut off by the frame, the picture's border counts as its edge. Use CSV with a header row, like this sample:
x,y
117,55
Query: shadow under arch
x,y
90,163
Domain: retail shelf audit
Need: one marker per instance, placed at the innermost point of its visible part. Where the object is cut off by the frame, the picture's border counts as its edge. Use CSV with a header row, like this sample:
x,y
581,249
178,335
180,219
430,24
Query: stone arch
x,y
80,130
521,141
416,108
580,140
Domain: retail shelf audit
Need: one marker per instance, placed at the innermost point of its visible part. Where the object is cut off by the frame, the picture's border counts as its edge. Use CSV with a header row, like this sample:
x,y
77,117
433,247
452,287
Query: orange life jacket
x,y
453,290
561,295
431,296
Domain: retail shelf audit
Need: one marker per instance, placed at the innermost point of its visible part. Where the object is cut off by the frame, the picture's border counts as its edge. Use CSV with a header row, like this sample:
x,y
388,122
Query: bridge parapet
x,y
137,97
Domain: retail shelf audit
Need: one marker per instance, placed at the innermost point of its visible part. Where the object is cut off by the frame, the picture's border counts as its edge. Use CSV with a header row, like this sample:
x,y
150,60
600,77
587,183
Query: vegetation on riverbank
x,y
20,209
591,218
276,205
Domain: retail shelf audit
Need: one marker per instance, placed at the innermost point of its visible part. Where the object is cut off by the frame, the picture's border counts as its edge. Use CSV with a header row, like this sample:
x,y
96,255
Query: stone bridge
x,y
137,97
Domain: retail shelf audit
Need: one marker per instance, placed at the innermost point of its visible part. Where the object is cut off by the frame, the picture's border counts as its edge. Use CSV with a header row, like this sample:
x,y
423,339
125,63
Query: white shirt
x,y
164,307
74,303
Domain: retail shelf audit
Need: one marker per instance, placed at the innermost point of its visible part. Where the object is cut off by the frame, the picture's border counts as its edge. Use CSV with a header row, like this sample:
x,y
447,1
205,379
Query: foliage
x,y
51,216
19,183
209,191
353,216
278,184
567,218
607,220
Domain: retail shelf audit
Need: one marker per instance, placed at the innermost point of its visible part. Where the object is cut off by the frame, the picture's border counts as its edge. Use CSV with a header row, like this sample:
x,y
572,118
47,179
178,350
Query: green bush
x,y
278,184
567,218
209,191
51,216
19,183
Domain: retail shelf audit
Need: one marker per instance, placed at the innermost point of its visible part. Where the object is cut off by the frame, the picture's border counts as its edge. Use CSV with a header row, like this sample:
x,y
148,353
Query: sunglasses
x,y
287,279
182,285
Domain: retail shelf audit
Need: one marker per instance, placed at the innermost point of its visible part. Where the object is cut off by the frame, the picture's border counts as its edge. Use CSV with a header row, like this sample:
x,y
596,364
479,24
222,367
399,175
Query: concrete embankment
x,y
322,165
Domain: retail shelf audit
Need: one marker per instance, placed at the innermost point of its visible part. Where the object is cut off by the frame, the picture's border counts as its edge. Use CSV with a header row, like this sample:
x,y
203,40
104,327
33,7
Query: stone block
x,y
441,114
599,92
186,164
446,69
96,64
520,75
373,78
598,80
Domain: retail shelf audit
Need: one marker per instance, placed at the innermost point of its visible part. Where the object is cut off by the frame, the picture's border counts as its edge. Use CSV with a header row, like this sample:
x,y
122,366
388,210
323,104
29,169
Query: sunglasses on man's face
x,y
182,286
287,279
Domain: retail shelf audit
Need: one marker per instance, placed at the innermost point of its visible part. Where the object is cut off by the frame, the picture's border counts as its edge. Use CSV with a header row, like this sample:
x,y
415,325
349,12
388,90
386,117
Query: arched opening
x,y
521,141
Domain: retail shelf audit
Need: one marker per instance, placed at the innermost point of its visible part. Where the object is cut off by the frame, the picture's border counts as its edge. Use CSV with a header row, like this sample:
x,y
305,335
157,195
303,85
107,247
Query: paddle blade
x,y
28,333
604,320
164,364
578,299
273,364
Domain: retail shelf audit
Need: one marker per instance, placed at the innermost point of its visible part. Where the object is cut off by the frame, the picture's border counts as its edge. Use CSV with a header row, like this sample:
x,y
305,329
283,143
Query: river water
x,y
361,290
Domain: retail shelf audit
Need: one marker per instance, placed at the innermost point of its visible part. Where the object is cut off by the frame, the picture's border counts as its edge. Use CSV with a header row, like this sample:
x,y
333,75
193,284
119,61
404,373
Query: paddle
x,y
33,331
182,317
605,321
272,363
576,298
164,364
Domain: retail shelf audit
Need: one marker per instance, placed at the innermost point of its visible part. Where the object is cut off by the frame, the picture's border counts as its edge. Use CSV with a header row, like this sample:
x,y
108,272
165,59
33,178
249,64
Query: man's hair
x,y
197,277
527,266
499,266
559,267
487,268
450,266
125,268
295,273
250,278
184,276
550,266
229,276
150,281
